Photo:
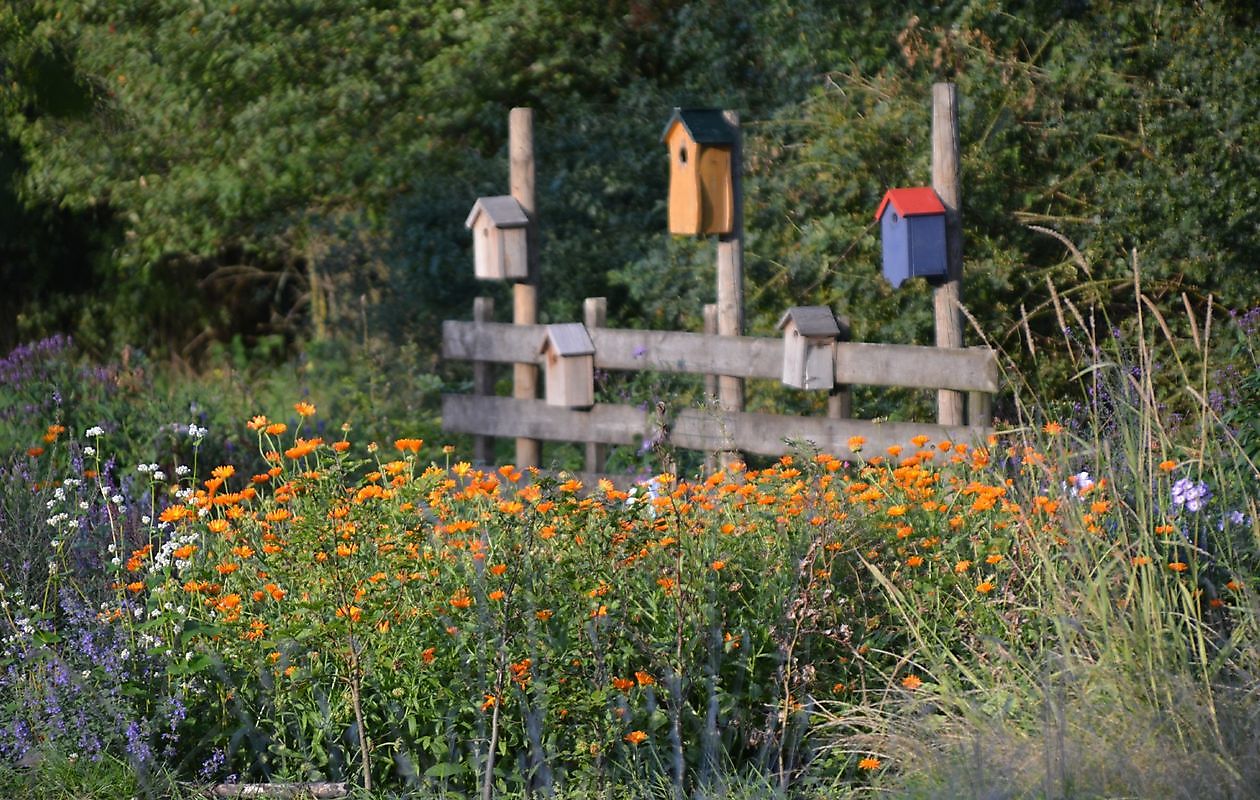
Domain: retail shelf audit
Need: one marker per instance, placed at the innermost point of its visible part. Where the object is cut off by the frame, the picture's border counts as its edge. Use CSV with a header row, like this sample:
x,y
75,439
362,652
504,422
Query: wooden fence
x,y
971,370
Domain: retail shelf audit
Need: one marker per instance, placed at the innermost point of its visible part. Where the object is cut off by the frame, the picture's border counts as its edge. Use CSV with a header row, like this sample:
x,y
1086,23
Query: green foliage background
x,y
177,174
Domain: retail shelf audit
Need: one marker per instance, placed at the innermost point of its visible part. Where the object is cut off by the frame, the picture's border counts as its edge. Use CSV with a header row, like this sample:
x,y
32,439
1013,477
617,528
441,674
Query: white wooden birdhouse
x,y
499,227
569,356
701,186
809,339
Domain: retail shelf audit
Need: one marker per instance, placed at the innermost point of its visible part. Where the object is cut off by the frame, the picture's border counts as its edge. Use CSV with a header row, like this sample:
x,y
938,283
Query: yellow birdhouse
x,y
701,187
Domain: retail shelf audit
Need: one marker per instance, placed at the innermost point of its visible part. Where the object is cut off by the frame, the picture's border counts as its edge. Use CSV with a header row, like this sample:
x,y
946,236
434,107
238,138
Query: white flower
x,y
159,475
116,499
89,451
182,470
146,519
84,505
143,468
94,431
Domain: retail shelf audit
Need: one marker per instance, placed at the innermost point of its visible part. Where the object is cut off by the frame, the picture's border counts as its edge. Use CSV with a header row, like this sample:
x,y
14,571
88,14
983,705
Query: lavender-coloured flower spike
x,y
1190,495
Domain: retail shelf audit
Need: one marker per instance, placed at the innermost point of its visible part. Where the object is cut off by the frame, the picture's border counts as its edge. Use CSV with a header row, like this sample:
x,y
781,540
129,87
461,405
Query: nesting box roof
x,y
704,125
568,339
504,212
915,202
812,321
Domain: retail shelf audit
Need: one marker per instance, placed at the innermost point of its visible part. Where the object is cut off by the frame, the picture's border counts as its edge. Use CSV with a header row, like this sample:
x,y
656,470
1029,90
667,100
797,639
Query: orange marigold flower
x,y
993,558
718,565
258,422
915,561
304,409
340,447
184,553
275,428
544,614
408,445
136,586
175,513
912,682
497,594
217,525
636,737
303,447
894,450
34,452
1052,428
428,654
490,702
1234,585
461,599
920,440
644,678
896,511
1168,465
227,568
223,471
1164,530
869,764
984,587
1100,507
962,566
498,569
622,684
1178,566
243,551
856,443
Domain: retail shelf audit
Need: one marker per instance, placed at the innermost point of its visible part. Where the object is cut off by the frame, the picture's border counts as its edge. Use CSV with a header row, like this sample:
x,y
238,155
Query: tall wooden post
x,y
595,315
840,401
710,381
483,380
945,180
525,293
730,275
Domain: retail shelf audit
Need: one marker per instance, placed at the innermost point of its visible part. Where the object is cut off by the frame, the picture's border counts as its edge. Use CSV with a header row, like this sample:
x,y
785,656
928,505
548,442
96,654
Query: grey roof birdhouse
x,y
499,227
809,339
701,186
912,228
569,356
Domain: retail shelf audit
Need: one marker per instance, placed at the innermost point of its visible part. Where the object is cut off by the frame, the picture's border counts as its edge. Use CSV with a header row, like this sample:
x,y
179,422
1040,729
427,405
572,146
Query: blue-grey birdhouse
x,y
912,227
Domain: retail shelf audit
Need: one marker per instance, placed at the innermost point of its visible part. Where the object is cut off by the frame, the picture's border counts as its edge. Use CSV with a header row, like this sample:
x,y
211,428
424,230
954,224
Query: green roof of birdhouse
x,y
703,125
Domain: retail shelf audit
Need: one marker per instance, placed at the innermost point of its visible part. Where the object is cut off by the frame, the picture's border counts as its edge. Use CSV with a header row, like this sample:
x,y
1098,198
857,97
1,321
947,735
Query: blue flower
x,y
1190,495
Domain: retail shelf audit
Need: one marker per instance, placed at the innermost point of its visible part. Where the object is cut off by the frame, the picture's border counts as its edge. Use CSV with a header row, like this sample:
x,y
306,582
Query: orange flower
x,y
1053,428
894,450
1234,585
915,561
1178,566
275,428
497,594
896,511
461,599
1141,561
340,447
544,614
993,558
920,440
184,553
718,565
856,443
498,569
869,764
35,452
257,423
636,737
911,682
490,702
428,654
227,568
303,447
304,409
137,586
217,525
644,678
223,472
622,684
985,587
408,445
1168,465
962,566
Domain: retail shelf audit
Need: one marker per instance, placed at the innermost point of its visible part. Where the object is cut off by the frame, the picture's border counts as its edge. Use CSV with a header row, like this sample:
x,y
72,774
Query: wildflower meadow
x,y
1064,608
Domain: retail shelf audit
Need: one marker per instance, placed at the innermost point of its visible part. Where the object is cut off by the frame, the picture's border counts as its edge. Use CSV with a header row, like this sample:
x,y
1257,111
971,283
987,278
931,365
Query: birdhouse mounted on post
x,y
912,227
701,188
499,227
809,341
569,354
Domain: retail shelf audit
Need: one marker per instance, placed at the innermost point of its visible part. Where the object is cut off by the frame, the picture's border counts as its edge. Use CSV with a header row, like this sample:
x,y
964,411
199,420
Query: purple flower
x,y
1190,495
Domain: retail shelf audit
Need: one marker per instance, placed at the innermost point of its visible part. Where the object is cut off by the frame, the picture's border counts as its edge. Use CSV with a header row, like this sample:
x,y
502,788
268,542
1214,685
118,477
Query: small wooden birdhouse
x,y
701,187
499,227
912,227
809,338
569,354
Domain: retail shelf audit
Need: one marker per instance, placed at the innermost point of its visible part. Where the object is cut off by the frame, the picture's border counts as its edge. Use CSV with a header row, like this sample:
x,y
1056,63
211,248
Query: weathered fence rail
x,y
972,370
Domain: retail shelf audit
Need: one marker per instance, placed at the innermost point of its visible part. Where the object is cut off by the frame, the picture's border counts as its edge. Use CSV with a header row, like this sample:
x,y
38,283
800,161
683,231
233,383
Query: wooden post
x,y
947,296
595,315
525,293
483,380
840,402
730,277
710,381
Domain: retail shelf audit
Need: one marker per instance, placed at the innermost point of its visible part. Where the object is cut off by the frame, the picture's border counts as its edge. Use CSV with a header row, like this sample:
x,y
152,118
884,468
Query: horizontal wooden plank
x,y
534,419
693,429
964,369
769,434
858,363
